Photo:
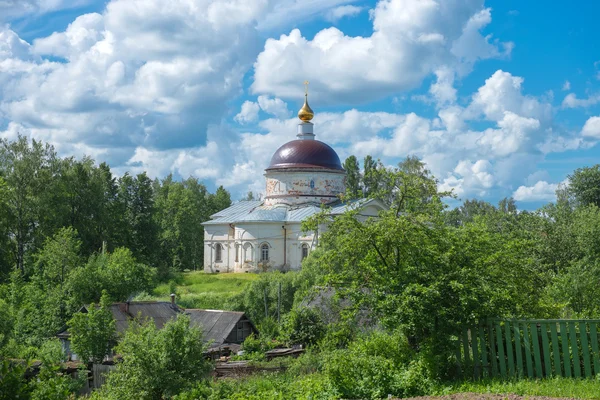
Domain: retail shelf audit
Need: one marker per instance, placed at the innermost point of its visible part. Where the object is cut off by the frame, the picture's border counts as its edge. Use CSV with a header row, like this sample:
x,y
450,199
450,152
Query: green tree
x,y
157,364
118,273
353,179
93,334
220,200
59,256
584,185
27,170
467,212
507,205
370,177
249,196
6,255
140,231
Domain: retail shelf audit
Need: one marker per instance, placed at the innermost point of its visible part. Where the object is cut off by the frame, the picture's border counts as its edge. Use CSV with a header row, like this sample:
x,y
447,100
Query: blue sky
x,y
499,98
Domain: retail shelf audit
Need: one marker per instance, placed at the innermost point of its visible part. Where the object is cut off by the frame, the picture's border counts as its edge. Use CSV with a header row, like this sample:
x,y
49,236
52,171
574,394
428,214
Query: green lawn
x,y
201,290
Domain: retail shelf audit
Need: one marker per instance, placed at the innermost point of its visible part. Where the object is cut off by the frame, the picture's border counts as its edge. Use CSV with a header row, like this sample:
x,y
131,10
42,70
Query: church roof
x,y
255,211
305,154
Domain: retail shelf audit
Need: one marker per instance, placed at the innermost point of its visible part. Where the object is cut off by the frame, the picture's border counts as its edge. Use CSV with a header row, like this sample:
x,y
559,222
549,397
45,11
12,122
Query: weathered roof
x,y
216,324
161,312
239,207
255,211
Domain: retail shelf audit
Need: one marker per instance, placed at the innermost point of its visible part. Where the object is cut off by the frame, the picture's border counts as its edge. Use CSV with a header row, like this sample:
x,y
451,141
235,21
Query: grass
x,y
202,290
555,387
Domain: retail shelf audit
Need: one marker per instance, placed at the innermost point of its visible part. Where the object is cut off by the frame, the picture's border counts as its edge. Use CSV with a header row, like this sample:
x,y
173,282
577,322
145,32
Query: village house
x,y
221,329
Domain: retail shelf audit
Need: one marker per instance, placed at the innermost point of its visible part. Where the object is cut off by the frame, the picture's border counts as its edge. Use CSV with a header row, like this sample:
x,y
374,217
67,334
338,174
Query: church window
x,y
248,252
304,251
219,253
237,253
264,252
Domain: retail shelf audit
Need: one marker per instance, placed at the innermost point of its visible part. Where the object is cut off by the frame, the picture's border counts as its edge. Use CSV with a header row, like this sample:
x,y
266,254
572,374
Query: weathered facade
x,y
262,235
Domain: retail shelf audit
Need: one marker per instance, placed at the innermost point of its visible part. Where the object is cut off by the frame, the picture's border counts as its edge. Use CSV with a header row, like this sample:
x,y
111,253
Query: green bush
x,y
304,326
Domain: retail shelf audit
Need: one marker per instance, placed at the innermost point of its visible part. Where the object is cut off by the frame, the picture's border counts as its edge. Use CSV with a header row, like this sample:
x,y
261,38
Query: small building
x,y
218,327
123,313
221,327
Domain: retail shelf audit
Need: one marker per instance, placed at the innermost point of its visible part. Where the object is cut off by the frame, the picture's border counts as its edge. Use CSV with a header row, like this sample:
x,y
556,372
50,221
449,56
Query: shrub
x,y
304,326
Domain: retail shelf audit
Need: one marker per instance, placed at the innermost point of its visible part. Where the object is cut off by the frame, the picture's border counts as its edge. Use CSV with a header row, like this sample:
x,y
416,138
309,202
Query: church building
x,y
266,235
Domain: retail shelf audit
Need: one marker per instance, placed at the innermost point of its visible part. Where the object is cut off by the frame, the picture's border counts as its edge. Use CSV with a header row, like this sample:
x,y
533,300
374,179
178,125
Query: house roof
x,y
256,211
216,324
160,312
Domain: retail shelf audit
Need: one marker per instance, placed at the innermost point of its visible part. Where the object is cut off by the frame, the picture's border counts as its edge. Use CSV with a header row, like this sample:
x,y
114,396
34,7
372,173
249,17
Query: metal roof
x,y
254,211
305,154
240,206
216,324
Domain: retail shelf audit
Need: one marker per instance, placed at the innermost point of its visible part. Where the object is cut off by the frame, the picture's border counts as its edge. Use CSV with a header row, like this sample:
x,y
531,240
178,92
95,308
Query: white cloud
x,y
566,86
276,107
571,101
142,74
591,128
282,13
443,90
502,93
10,9
340,12
411,40
248,113
541,191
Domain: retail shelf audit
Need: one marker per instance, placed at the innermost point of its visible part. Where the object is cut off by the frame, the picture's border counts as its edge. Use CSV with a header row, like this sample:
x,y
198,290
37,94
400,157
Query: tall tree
x,y
140,233
27,169
370,178
507,205
584,185
220,200
353,187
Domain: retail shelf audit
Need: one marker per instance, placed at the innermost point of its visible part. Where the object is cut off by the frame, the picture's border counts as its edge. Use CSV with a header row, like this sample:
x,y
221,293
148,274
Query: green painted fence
x,y
530,348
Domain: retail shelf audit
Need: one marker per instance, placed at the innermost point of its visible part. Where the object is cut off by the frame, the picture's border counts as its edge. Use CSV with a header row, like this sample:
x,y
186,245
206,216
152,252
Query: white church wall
x,y
291,187
241,247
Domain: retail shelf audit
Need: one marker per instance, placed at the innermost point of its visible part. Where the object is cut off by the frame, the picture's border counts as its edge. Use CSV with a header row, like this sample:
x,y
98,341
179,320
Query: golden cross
x,y
306,88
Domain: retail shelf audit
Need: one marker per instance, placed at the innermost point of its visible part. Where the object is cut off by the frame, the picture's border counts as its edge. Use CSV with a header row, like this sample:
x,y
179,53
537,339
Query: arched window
x,y
264,252
219,253
304,251
248,252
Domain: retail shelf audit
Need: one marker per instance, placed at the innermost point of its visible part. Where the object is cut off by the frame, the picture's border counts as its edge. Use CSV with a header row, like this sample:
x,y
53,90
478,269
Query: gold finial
x,y
306,113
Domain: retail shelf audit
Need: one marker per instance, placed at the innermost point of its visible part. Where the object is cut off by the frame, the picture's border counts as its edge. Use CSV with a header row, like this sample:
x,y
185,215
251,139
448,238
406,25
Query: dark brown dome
x,y
305,154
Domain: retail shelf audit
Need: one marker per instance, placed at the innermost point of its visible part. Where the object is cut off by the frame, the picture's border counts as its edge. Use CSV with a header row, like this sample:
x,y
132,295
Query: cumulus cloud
x,y
566,86
276,107
502,93
591,128
541,191
142,75
411,39
248,113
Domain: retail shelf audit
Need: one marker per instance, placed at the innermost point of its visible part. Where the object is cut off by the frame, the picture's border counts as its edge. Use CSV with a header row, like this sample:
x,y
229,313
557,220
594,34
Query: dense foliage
x,y
158,221
377,304
157,364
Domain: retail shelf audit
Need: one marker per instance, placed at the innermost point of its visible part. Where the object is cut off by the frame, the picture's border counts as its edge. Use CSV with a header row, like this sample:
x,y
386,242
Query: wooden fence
x,y
530,348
